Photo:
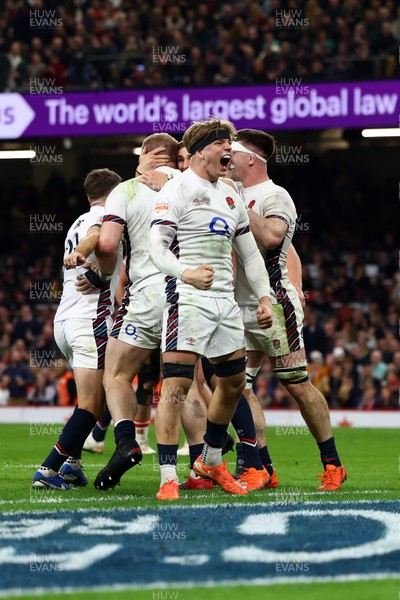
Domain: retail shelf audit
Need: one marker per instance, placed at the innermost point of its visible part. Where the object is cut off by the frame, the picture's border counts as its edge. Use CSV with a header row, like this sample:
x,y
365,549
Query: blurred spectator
x,y
17,71
379,368
314,335
43,392
27,327
20,378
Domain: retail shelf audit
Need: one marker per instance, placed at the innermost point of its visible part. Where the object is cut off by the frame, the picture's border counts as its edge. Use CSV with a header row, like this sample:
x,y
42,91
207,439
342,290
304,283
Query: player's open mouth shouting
x,y
225,160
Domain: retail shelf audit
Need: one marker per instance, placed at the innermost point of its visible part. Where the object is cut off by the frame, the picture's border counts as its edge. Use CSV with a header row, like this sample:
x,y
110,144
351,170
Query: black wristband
x,y
95,279
140,174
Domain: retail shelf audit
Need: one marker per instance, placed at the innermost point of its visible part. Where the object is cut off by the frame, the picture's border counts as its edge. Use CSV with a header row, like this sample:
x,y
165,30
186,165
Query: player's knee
x,y
229,368
181,370
232,375
110,378
107,379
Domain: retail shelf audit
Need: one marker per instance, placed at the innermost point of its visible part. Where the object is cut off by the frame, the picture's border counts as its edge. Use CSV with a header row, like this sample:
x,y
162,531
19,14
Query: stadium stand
x,y
106,44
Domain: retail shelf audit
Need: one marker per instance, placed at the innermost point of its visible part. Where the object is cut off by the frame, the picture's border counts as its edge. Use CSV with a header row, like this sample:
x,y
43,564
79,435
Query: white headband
x,y
238,147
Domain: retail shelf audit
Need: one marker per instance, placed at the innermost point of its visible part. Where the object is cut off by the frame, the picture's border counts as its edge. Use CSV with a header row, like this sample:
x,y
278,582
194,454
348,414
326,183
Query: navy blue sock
x,y
215,434
243,423
168,454
239,457
239,451
100,429
72,438
194,452
266,459
124,433
329,455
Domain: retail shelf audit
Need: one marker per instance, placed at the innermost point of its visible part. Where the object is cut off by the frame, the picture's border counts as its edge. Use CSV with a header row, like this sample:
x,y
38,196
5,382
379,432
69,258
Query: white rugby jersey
x,y
74,305
206,218
268,200
131,205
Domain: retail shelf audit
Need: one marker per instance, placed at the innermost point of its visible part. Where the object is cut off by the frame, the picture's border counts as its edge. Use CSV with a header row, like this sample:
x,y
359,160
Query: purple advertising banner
x,y
290,104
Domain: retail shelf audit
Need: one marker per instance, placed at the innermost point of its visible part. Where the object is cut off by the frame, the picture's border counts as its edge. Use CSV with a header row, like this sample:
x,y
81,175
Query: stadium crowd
x,y
351,286
103,44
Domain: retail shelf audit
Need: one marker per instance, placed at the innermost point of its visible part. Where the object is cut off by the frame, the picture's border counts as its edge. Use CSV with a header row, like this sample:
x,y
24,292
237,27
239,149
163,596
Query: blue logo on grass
x,y
227,543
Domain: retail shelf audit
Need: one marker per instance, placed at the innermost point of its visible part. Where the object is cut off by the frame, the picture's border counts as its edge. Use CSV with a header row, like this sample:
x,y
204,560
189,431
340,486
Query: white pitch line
x,y
94,499
65,496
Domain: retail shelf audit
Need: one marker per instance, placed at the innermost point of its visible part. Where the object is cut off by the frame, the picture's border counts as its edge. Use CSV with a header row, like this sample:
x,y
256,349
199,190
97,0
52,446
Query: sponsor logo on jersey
x,y
162,207
190,340
200,201
230,202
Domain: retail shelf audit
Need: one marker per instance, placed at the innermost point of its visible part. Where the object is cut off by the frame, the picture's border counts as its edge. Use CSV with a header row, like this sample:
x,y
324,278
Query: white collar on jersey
x,y
238,147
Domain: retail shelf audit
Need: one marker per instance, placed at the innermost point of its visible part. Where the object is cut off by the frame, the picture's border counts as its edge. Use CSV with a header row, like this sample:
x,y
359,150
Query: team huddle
x,y
211,278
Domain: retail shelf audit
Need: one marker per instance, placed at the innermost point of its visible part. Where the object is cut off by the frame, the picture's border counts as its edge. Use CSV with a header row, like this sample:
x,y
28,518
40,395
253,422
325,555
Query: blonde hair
x,y
200,130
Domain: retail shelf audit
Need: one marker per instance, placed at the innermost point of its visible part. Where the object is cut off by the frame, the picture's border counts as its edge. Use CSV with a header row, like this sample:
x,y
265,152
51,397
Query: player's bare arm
x,y
268,231
155,180
85,247
107,247
148,161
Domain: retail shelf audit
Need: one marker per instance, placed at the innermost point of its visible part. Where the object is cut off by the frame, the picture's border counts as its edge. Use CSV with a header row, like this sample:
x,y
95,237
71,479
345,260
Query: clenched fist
x,y
264,313
201,278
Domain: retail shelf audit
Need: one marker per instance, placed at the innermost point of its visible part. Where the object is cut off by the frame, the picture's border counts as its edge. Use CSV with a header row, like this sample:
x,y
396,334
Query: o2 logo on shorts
x,y
216,224
131,331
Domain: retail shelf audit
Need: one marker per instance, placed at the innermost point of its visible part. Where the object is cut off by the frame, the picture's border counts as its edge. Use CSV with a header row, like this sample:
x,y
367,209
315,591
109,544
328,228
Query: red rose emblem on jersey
x,y
251,204
230,202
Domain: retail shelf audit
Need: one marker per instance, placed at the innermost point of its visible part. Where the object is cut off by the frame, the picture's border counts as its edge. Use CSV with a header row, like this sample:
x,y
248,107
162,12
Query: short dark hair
x,y
99,183
264,142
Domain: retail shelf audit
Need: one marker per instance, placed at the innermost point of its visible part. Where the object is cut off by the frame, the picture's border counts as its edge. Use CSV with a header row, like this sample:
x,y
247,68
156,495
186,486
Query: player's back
x,y
73,304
